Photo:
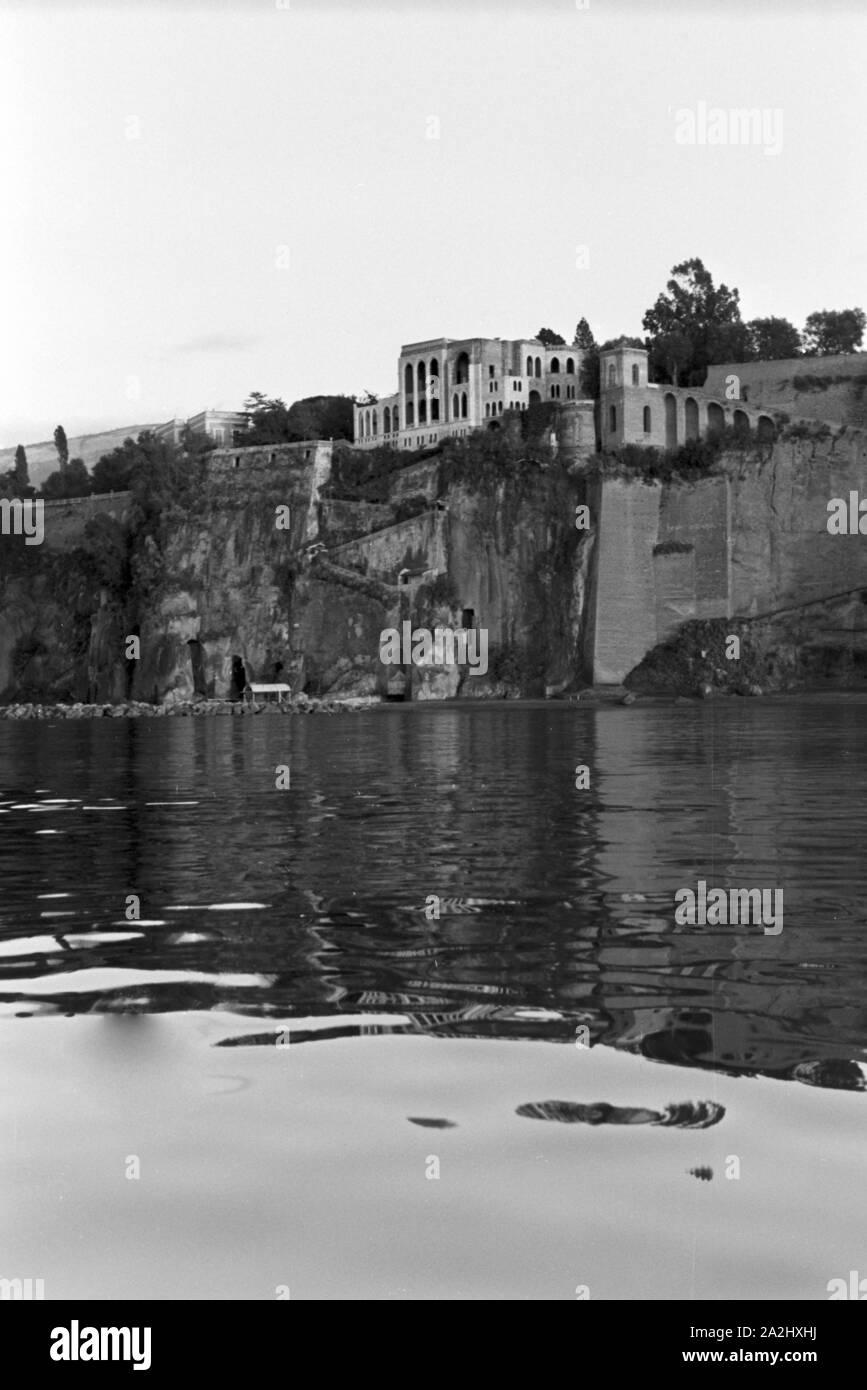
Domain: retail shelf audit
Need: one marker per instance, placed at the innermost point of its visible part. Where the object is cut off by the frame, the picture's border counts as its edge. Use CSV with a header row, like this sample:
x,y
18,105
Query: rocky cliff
x,y
257,573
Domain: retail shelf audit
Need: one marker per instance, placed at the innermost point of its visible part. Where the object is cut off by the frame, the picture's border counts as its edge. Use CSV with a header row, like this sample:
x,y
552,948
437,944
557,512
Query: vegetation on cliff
x,y
698,458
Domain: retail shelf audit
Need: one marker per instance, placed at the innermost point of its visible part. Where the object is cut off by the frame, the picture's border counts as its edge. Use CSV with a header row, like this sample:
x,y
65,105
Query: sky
x,y
205,200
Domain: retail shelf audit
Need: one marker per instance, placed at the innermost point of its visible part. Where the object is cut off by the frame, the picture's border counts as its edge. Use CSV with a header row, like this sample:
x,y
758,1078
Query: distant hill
x,y
42,457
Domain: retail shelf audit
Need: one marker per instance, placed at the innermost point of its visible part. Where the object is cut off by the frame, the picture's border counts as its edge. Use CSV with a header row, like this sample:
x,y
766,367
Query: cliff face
x,y
781,551
231,587
241,583
796,593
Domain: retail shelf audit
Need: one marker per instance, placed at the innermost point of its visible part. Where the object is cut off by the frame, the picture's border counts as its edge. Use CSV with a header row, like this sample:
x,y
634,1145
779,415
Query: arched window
x,y
367,424
715,418
635,374
463,405
487,408
670,421
538,366
462,369
455,410
690,416
422,393
407,379
386,421
647,419
395,419
766,430
570,366
500,407
529,366
374,423
434,389
554,365
612,418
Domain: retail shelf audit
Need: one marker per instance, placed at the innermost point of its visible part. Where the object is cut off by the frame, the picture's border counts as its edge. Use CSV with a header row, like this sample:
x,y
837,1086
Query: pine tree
x,y
62,447
22,480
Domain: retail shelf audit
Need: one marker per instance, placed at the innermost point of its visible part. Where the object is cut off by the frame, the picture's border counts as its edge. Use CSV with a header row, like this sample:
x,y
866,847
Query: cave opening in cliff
x,y
197,660
238,683
132,664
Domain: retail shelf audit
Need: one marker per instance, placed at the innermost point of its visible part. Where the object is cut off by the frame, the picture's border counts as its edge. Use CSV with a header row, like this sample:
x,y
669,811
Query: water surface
x,y
487,961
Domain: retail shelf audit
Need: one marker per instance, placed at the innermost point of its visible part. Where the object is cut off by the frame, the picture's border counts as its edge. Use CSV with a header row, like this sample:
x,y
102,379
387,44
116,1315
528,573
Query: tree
x,y
62,446
77,478
147,456
271,421
828,331
196,443
266,421
671,356
694,324
773,339
22,478
54,486
550,338
322,417
623,341
74,481
589,373
583,336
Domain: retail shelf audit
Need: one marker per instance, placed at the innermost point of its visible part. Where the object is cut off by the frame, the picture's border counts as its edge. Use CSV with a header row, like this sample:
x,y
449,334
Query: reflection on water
x,y
463,934
684,1116
435,870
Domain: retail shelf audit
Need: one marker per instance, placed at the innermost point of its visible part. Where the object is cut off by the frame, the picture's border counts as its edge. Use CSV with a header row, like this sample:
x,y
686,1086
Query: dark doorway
x,y
468,617
239,679
197,660
132,666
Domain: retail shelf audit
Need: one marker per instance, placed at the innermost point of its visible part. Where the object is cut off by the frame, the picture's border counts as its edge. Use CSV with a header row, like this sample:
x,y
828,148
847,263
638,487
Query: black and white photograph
x,y
433,664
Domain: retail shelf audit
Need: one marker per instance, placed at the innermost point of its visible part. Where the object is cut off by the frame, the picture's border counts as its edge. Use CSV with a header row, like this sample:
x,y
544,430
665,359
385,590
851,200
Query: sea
x,y
396,1004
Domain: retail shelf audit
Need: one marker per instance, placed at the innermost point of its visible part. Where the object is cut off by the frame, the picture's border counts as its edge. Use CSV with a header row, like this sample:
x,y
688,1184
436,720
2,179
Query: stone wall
x,y
344,521
751,542
782,552
66,518
697,515
417,544
418,478
625,609
663,558
836,391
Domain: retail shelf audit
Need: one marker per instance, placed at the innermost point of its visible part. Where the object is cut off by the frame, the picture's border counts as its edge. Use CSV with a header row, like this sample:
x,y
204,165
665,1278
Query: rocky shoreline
x,y
139,709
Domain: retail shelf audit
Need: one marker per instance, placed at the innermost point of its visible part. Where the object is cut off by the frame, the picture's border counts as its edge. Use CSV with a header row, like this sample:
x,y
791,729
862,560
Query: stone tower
x,y
623,396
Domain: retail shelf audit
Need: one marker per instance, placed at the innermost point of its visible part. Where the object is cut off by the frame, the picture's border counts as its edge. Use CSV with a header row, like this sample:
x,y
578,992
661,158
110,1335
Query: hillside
x,y
42,457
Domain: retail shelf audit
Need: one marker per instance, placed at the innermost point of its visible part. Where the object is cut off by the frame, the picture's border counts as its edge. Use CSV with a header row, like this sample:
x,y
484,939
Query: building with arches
x,y
448,386
633,410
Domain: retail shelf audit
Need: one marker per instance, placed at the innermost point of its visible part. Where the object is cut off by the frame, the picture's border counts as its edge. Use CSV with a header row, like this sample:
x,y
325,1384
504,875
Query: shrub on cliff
x,y
106,554
482,461
364,475
697,458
